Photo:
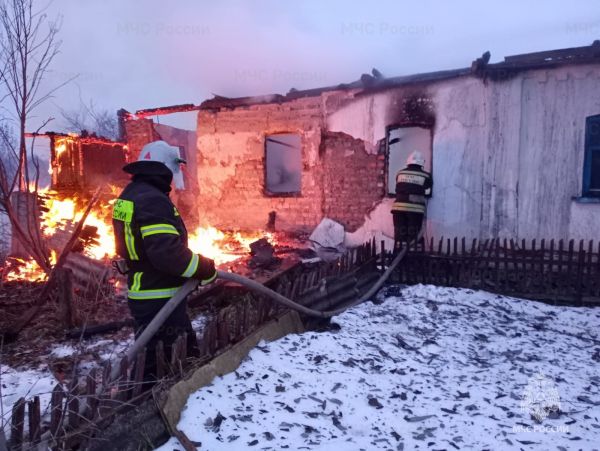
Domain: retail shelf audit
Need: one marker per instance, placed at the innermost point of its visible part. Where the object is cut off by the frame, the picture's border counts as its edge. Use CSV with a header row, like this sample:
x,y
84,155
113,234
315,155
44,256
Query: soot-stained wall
x,y
507,156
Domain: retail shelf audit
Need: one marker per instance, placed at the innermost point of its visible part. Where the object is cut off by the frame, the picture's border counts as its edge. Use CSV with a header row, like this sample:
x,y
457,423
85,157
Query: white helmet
x,y
417,158
168,155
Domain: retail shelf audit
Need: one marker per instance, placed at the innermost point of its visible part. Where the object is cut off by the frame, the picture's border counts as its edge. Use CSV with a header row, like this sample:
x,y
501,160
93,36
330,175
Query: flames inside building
x,y
78,166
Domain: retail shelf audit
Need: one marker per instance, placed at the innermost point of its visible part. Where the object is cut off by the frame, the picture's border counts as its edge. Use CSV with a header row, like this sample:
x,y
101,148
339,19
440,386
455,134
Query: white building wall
x,y
456,208
507,155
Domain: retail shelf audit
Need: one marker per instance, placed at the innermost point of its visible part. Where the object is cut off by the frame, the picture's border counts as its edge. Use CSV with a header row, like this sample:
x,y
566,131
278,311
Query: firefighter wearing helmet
x,y
413,187
152,239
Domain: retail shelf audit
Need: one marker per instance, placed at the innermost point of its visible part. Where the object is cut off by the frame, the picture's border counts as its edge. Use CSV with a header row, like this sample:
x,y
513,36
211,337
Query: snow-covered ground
x,y
28,382
430,368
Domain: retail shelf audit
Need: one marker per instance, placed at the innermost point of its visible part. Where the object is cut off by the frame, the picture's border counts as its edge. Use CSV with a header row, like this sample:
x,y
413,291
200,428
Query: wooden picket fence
x,y
552,270
558,271
91,402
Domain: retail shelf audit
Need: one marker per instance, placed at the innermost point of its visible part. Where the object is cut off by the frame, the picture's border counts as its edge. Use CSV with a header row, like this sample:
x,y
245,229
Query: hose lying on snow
x,y
261,289
192,284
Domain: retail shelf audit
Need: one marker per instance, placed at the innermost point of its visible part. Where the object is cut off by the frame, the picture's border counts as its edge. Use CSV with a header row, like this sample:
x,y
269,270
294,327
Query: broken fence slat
x,y
123,380
160,360
496,260
560,267
589,270
183,351
551,281
17,425
542,276
533,265
106,373
569,276
522,256
92,399
35,419
56,412
174,356
138,377
73,415
516,276
224,326
579,289
526,259
177,354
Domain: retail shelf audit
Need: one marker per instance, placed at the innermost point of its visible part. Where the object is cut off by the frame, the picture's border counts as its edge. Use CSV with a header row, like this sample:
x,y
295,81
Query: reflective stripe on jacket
x,y
413,185
151,236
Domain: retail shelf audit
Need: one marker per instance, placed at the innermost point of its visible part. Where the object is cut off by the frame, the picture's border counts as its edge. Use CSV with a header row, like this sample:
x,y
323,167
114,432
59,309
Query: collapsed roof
x,y
511,66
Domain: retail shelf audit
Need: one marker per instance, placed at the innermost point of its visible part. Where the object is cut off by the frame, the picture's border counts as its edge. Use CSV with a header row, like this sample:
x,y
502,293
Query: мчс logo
x,y
540,398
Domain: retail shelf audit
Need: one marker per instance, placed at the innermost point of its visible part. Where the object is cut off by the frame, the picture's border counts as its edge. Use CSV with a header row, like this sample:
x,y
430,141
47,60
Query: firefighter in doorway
x,y
413,187
152,239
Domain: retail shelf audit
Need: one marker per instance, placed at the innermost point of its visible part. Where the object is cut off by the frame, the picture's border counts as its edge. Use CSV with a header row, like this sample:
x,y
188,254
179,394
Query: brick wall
x,y
353,180
139,132
340,179
231,166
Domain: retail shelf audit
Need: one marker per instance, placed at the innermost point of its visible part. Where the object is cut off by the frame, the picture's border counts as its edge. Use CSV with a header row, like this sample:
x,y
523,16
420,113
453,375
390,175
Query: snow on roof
x,y
430,368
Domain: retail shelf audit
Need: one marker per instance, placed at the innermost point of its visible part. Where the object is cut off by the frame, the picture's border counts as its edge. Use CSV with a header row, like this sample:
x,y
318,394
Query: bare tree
x,y
8,156
88,118
28,44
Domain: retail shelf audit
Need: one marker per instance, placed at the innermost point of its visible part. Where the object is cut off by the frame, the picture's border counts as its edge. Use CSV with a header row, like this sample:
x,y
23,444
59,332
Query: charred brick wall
x,y
231,165
353,180
342,177
140,132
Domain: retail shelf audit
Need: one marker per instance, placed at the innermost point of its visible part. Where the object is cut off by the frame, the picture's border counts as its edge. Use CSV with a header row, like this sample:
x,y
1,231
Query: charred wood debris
x,y
84,407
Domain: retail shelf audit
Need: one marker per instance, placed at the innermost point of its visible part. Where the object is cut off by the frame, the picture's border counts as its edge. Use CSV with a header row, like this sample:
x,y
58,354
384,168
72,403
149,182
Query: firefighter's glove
x,y
207,273
121,266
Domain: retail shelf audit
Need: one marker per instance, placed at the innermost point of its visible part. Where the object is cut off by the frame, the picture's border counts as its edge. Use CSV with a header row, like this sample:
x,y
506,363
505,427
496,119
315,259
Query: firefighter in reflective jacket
x,y
413,186
152,238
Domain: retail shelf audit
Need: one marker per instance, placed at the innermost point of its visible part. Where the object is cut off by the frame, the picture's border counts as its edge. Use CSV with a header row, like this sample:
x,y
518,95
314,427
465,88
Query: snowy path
x,y
430,368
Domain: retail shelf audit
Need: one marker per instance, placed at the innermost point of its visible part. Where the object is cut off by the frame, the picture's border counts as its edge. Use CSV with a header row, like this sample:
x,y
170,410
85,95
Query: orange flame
x,y
61,212
60,149
27,269
64,213
224,247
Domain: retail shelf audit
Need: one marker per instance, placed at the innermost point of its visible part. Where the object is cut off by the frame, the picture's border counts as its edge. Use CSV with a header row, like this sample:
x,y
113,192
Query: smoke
x,y
140,55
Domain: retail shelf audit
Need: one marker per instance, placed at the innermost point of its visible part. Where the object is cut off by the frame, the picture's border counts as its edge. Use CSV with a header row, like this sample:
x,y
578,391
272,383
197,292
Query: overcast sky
x,y
149,53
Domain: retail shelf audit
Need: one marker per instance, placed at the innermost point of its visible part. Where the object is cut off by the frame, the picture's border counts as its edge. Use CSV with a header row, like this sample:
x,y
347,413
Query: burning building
x,y
511,145
80,165
513,148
